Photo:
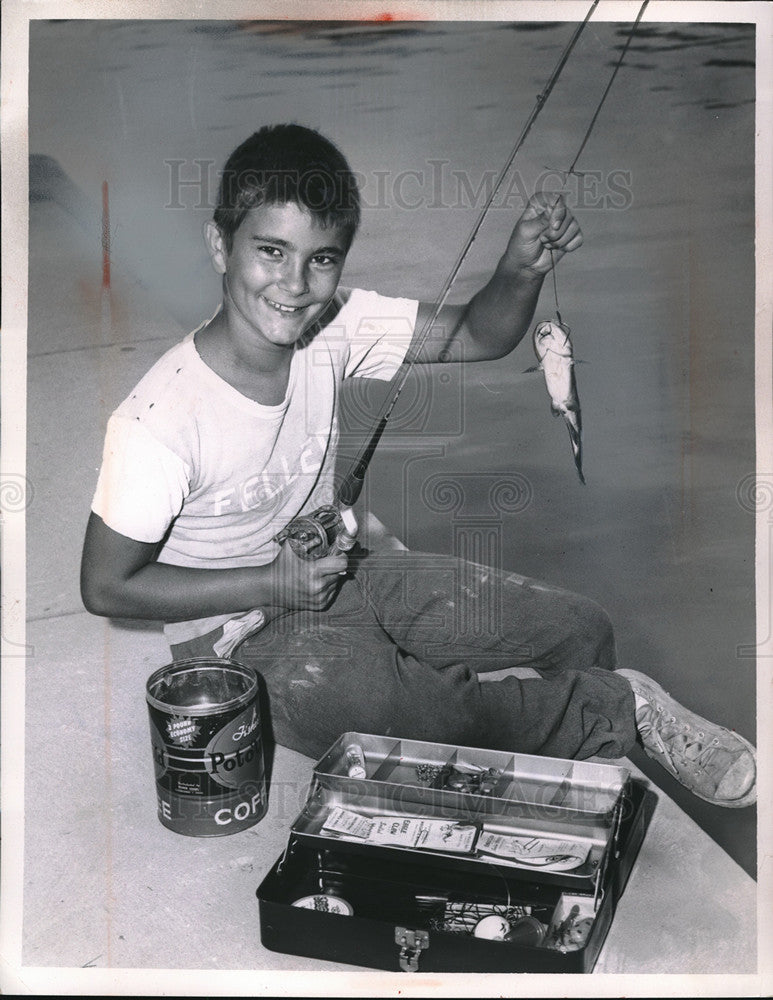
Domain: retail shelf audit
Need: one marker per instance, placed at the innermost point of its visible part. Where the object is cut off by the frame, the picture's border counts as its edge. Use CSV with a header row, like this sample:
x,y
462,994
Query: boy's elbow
x,y
100,594
96,607
96,599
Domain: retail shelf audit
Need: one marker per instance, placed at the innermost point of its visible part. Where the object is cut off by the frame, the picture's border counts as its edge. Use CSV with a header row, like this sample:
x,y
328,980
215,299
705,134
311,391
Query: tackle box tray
x,y
428,857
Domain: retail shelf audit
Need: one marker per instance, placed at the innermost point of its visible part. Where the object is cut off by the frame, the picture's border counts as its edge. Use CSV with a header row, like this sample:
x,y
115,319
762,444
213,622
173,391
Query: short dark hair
x,y
282,164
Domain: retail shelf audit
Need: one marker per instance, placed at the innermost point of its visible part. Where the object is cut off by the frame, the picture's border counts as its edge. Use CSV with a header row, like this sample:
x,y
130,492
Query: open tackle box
x,y
435,858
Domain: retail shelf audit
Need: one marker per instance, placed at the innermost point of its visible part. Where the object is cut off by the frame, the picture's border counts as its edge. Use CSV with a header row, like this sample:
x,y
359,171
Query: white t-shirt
x,y
189,457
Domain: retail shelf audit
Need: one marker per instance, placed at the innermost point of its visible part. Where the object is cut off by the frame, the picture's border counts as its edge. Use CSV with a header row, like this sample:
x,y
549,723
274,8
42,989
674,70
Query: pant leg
x,y
369,664
446,610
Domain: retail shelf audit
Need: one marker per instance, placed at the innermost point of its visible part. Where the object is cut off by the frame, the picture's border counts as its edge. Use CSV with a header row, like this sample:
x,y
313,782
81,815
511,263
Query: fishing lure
x,y
553,348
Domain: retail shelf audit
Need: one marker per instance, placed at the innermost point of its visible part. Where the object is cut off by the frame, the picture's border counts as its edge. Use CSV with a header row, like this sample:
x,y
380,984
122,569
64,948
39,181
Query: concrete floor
x,y
108,887
108,891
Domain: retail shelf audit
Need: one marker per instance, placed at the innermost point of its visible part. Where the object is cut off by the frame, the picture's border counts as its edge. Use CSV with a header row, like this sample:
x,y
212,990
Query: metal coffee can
x,y
207,746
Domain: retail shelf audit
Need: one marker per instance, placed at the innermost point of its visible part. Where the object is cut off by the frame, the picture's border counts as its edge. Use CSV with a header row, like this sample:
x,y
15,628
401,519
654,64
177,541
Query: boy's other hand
x,y
306,585
546,224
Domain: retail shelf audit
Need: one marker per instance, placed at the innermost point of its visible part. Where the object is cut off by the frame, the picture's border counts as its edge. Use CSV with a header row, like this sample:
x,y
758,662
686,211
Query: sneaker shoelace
x,y
674,740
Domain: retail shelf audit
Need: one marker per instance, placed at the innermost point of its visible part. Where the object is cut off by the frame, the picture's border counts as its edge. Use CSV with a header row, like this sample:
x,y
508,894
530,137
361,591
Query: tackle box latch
x,y
412,943
613,847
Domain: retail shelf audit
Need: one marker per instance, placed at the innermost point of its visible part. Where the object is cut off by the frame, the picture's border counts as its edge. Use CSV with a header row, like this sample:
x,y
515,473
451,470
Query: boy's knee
x,y
599,635
586,638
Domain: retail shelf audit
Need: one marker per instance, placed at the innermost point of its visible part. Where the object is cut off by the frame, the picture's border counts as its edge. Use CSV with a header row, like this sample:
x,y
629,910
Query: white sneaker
x,y
714,763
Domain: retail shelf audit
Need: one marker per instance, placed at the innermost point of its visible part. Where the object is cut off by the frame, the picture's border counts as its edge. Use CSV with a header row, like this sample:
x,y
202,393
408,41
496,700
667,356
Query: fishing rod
x,y
325,530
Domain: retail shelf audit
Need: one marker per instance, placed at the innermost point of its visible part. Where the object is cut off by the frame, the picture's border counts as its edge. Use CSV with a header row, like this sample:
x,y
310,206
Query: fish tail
x,y
575,430
575,436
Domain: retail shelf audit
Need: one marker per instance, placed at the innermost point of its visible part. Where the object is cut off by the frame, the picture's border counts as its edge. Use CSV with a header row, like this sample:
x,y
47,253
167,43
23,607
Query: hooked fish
x,y
556,361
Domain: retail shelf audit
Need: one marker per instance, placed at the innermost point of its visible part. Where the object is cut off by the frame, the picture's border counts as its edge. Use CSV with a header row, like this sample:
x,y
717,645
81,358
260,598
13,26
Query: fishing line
x,y
571,169
619,63
351,485
555,285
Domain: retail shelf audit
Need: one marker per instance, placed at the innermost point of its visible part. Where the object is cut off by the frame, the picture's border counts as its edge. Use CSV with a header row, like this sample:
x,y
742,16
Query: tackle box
x,y
434,858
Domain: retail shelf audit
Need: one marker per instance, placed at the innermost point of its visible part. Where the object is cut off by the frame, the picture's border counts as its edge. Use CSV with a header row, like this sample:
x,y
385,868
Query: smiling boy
x,y
234,432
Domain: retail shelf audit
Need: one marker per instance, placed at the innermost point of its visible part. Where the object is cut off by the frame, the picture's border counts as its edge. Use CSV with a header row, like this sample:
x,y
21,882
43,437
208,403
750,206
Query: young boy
x,y
233,433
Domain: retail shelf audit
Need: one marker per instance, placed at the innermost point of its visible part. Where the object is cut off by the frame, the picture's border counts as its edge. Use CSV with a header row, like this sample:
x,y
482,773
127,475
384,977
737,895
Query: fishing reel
x,y
325,532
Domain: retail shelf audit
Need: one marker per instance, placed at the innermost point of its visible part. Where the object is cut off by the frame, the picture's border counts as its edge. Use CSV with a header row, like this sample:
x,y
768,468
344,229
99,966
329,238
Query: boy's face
x,y
282,271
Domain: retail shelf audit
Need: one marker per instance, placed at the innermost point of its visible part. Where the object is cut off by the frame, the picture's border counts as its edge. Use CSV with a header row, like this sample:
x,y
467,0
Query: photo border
x,y
15,978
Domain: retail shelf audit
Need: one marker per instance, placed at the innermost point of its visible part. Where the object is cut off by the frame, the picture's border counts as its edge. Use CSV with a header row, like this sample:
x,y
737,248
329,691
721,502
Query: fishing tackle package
x,y
517,870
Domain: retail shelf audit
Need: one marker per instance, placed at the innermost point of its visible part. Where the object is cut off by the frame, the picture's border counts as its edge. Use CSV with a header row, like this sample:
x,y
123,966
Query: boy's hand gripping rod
x,y
332,528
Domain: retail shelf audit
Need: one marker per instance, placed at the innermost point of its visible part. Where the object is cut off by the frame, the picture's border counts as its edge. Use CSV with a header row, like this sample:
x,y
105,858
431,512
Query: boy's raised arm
x,y
495,320
120,579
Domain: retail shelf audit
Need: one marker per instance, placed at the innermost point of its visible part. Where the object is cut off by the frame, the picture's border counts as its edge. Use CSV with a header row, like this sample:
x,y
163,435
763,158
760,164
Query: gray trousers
x,y
402,650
